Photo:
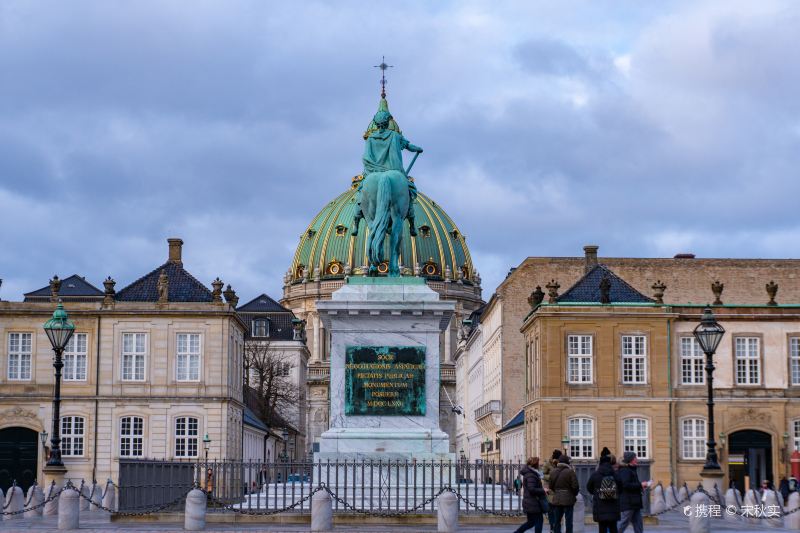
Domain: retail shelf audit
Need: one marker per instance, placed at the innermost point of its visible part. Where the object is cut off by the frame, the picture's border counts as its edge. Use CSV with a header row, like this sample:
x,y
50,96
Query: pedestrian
x,y
630,500
783,488
605,487
565,489
518,482
534,500
549,466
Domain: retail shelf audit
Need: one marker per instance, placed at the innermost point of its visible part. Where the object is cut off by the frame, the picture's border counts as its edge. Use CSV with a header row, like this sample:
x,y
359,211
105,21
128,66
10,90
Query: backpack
x,y
608,488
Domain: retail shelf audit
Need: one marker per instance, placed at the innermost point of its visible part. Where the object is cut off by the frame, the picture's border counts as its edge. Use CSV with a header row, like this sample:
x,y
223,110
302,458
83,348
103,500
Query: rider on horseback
x,y
383,151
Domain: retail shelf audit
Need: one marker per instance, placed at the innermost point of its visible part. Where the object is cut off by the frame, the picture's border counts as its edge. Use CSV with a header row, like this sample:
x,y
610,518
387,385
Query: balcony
x,y
489,408
318,373
448,374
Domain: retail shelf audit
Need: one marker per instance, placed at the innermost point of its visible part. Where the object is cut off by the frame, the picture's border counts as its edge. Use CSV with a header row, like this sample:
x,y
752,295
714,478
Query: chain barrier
x,y
347,505
26,509
142,512
251,512
482,509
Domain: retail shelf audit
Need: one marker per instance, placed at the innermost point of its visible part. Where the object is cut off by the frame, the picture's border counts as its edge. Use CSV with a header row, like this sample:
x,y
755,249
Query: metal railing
x,y
492,406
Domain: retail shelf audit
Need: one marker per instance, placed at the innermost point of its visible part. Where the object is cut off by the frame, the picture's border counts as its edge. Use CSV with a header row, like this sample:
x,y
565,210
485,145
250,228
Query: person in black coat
x,y
533,494
630,500
604,511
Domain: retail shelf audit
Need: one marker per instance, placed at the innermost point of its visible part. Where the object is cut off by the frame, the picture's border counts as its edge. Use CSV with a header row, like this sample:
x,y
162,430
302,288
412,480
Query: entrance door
x,y
18,455
749,457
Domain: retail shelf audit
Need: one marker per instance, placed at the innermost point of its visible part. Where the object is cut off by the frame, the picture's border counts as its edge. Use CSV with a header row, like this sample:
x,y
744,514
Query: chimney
x,y
175,246
590,255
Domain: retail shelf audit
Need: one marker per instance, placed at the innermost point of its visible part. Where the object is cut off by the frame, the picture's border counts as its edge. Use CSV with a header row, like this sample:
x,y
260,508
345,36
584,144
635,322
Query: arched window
x,y
260,327
581,437
72,432
635,437
186,434
131,436
693,438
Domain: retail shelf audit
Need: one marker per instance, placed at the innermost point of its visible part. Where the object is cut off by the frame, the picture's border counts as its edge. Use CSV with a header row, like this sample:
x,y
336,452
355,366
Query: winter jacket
x,y
533,490
604,510
564,485
631,497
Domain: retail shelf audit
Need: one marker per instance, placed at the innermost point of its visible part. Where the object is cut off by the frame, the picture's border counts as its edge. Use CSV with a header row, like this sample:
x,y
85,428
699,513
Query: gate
x,y
19,448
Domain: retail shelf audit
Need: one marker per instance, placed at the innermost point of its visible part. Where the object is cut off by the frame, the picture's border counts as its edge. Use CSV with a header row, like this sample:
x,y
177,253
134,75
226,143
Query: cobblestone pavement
x,y
99,524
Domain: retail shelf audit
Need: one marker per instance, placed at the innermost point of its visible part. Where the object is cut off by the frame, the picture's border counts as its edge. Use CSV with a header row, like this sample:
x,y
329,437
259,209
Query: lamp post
x,y
206,444
709,334
43,438
59,330
565,443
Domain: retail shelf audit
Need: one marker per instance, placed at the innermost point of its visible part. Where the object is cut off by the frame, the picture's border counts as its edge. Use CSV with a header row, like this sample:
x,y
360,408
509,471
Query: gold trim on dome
x,y
342,205
436,232
444,227
463,240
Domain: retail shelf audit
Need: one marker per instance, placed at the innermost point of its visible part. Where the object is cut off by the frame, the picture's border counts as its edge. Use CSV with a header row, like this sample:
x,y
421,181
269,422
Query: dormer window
x,y
425,231
454,234
341,230
260,327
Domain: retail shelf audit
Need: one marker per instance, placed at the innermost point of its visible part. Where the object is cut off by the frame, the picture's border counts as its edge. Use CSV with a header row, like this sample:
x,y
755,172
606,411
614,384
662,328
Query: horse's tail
x,y
383,216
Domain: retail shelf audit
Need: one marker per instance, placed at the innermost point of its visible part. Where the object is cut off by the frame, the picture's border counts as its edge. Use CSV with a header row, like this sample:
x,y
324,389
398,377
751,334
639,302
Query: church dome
x,y
327,250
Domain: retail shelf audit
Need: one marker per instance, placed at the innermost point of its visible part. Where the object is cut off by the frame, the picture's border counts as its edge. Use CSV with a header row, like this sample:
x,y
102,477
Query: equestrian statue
x,y
385,195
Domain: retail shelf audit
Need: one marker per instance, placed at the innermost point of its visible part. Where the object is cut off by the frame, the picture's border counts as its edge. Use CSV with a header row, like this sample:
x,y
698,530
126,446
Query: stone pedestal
x,y
711,481
384,371
54,473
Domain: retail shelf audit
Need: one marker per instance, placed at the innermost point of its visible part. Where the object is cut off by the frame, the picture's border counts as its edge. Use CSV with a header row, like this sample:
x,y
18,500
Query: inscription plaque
x,y
385,380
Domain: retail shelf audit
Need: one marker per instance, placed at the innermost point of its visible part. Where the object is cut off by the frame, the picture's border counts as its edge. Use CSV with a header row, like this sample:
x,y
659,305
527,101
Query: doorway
x,y
18,457
749,458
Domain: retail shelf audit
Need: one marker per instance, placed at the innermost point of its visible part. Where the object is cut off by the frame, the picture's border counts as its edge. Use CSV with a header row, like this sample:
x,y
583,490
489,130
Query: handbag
x,y
544,504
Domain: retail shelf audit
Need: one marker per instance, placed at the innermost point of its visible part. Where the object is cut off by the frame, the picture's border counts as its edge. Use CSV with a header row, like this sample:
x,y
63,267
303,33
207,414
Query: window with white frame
x,y
634,437
794,359
796,433
186,436
692,363
748,360
579,358
75,358
693,434
634,359
19,356
134,351
131,436
188,366
72,431
260,327
581,438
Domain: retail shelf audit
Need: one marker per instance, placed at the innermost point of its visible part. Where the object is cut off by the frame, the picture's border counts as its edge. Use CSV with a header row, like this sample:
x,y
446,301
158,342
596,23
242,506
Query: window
x,y
692,363
186,436
72,429
131,436
796,428
748,363
581,438
260,327
634,359
75,358
133,354
693,432
188,367
634,436
19,356
794,360
579,358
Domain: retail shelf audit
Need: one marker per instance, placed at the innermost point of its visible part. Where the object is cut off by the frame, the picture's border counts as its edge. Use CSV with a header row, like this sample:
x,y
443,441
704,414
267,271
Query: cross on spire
x,y
383,66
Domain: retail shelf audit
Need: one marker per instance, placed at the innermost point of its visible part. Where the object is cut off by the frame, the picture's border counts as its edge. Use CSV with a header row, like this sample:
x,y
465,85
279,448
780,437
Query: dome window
x,y
430,268
454,233
341,230
300,271
464,272
425,231
334,268
310,233
383,268
259,327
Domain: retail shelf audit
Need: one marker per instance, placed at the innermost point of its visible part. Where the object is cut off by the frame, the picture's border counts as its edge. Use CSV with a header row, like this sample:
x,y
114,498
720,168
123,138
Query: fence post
x,y
97,497
657,505
670,497
35,499
771,502
15,501
447,512
732,502
84,500
792,521
321,511
51,507
194,518
109,499
699,522
69,508
683,494
750,502
579,515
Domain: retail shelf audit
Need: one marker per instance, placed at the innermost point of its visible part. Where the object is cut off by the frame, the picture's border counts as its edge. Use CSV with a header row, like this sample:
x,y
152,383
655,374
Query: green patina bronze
x,y
358,280
385,381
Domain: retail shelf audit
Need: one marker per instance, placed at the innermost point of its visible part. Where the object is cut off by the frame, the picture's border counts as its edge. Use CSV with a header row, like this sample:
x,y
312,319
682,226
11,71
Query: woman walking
x,y
604,486
534,500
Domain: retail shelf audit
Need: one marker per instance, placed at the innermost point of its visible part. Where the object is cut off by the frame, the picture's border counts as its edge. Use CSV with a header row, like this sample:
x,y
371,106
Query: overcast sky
x,y
648,128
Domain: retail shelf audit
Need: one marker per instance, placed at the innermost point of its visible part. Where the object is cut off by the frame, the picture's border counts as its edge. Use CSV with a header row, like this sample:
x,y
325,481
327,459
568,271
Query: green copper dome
x,y
327,250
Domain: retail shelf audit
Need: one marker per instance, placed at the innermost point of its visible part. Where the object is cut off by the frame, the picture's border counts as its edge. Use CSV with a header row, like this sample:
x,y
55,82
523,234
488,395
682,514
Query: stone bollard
x,y
792,521
69,509
51,507
732,500
579,515
194,518
321,512
770,503
750,501
97,497
447,512
699,523
657,503
35,499
110,496
85,495
671,497
683,495
15,501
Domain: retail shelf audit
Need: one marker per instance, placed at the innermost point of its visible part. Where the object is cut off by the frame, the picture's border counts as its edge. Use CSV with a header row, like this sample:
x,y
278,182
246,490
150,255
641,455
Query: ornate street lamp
x,y
59,330
709,334
43,438
206,444
565,443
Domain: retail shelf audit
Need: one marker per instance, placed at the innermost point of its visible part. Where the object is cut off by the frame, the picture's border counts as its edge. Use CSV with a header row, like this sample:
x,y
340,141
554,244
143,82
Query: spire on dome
x,y
383,105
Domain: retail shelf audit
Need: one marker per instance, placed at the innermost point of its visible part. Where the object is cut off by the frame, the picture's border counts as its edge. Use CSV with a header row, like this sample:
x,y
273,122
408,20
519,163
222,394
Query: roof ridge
x,y
169,264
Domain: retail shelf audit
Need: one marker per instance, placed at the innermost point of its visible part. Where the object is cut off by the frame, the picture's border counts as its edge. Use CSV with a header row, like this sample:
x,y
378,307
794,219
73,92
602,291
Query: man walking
x,y
564,486
548,469
630,501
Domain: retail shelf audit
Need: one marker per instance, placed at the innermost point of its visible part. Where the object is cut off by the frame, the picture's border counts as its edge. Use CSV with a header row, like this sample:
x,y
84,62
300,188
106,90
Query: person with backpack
x,y
534,500
549,466
605,487
630,498
565,489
